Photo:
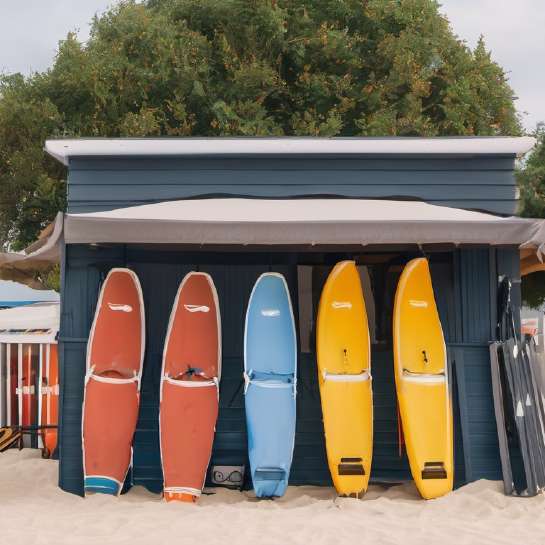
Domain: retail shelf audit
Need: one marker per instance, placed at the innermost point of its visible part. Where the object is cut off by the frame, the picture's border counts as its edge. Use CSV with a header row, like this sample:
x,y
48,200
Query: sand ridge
x,y
34,511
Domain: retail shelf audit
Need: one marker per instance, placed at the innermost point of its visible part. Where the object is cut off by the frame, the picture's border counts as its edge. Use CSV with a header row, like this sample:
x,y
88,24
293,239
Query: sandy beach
x,y
34,511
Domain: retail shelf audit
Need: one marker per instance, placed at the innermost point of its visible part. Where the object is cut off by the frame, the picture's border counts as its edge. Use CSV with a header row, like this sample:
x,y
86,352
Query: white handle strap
x,y
345,377
424,378
192,383
110,380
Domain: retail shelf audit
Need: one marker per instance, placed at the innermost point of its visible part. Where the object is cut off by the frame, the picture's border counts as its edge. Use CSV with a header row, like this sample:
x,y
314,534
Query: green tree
x,y
533,292
243,67
531,179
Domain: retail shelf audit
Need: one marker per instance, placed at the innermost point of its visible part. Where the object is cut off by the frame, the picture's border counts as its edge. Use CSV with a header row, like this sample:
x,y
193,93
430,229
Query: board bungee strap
x,y
270,380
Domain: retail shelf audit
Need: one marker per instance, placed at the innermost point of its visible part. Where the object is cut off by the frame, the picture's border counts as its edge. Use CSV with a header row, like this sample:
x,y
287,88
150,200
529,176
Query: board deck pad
x,y
421,377
115,354
270,371
344,377
189,387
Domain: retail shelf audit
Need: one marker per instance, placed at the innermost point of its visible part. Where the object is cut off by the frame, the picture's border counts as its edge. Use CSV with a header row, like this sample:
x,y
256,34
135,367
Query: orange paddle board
x,y
28,389
13,406
189,387
50,397
115,354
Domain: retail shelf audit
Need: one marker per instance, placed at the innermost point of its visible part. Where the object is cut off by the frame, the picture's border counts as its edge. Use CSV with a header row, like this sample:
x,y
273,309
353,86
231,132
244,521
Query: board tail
x,y
109,421
271,433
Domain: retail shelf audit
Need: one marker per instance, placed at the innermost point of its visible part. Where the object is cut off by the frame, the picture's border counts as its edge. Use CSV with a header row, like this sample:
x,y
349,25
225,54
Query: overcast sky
x,y
11,291
31,29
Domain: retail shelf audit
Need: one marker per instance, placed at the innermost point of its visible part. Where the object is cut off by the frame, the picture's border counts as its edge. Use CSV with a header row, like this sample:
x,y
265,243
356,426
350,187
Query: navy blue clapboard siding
x,y
462,282
466,182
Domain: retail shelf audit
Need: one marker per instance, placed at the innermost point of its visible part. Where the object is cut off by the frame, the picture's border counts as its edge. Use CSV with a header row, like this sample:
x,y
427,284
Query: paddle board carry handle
x,y
425,357
270,380
430,378
103,377
363,376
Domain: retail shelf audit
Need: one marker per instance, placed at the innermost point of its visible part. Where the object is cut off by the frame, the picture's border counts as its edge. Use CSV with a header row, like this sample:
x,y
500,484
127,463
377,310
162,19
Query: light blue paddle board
x,y
270,372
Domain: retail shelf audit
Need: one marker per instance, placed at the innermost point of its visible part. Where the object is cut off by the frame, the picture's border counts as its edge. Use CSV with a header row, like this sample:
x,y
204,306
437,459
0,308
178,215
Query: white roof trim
x,y
62,150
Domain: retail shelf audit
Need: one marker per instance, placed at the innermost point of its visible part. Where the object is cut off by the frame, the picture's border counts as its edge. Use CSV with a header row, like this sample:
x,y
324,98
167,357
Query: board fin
x,y
180,496
434,470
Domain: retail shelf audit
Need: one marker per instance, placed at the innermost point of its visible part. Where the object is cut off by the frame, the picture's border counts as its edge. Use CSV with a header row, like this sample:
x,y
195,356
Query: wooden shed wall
x,y
485,183
465,287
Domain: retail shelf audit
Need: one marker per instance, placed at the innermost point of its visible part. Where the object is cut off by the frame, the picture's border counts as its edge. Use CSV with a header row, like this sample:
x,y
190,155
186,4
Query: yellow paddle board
x,y
344,368
421,377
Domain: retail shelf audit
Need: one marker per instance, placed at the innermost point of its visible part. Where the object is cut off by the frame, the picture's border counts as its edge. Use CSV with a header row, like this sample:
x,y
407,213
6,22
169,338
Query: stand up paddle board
x,y
189,387
50,397
344,369
115,354
27,391
270,371
421,377
13,379
3,386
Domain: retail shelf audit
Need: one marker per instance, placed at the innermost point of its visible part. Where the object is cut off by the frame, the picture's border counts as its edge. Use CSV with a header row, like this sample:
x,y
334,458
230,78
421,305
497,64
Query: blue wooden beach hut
x,y
112,174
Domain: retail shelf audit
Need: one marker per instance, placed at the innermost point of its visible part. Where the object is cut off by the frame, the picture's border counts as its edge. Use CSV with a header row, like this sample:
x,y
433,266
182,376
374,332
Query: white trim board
x,y
64,149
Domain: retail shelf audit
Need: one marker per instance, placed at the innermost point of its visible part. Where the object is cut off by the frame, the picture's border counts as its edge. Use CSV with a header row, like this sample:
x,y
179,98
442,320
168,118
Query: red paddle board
x,y
50,397
28,390
14,412
115,354
189,387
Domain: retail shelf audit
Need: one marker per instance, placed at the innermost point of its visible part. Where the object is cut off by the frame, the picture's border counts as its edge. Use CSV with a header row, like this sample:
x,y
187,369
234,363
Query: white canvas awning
x,y
300,222
39,256
36,323
286,222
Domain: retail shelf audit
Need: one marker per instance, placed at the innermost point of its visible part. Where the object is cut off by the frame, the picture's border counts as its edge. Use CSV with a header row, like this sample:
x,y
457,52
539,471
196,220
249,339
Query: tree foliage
x,y
531,179
533,292
243,67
